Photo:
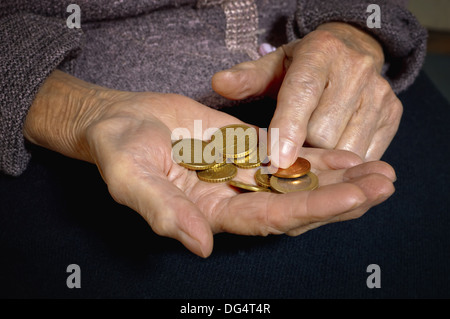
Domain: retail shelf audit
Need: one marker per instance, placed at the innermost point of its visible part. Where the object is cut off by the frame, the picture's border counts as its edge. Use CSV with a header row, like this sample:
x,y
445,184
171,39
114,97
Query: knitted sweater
x,y
168,46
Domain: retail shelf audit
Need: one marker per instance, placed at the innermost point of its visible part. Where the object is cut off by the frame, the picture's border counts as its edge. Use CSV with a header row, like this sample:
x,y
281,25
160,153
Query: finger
x,y
361,128
268,213
273,213
330,164
368,168
347,175
384,135
374,124
141,183
336,107
320,159
376,187
170,213
324,160
380,142
298,97
252,78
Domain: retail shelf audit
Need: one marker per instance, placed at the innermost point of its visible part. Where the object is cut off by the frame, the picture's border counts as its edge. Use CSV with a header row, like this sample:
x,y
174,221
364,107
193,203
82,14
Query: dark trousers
x,y
59,213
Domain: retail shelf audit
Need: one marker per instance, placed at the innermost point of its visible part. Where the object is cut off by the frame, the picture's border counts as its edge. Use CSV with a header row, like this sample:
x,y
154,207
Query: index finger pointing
x,y
299,95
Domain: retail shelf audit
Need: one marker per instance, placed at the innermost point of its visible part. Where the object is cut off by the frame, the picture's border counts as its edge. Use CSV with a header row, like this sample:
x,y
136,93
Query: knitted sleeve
x,y
403,39
31,47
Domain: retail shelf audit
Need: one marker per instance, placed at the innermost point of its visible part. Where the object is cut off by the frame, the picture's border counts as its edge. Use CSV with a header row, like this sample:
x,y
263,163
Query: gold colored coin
x,y
262,180
189,153
249,161
248,187
299,168
253,155
236,140
306,182
219,164
262,153
219,174
248,165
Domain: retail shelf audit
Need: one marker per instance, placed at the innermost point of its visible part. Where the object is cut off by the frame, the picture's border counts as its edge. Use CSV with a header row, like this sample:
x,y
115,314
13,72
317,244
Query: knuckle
x,y
397,108
318,139
395,113
276,223
365,63
393,107
320,135
328,42
383,87
364,67
327,37
304,87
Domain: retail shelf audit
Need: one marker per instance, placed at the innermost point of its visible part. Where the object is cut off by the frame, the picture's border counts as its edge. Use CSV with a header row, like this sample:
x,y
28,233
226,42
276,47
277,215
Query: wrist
x,y
62,110
357,39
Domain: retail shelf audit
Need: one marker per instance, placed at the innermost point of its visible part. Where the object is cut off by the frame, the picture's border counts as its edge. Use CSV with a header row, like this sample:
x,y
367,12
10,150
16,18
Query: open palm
x,y
131,145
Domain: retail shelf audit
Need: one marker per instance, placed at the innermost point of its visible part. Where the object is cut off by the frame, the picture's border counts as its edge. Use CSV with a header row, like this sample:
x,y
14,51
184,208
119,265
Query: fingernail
x,y
193,244
358,201
288,153
266,48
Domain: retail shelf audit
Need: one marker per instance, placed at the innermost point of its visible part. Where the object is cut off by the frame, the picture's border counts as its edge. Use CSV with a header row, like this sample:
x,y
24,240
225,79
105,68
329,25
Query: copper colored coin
x,y
299,168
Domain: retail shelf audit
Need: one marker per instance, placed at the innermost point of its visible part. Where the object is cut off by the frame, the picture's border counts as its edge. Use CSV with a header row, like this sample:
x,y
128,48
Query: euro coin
x,y
299,168
248,187
189,153
219,174
262,180
249,161
306,182
248,165
236,140
253,155
219,164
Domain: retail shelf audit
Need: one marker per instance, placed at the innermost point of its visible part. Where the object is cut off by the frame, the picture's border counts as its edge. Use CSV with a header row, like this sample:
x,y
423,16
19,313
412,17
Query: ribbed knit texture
x,y
162,46
31,47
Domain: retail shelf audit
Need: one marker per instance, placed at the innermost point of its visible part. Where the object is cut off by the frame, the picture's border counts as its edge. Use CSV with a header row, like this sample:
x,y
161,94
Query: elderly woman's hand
x,y
329,90
128,136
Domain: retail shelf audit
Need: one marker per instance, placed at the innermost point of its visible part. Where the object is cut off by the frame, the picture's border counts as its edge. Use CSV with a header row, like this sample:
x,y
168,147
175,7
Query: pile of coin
x,y
236,146
297,177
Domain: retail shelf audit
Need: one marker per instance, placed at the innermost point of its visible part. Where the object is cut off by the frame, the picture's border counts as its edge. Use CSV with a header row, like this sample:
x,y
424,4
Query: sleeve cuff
x,y
31,47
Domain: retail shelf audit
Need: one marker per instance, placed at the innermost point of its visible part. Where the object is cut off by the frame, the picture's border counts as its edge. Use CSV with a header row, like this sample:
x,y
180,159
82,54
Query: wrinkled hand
x,y
329,92
132,148
128,136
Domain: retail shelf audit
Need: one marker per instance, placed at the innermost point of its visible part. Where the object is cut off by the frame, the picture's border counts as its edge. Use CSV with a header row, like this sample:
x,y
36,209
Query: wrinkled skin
x,y
131,145
330,93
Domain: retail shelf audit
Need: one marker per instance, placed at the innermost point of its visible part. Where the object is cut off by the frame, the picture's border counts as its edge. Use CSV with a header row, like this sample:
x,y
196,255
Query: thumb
x,y
251,78
171,214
